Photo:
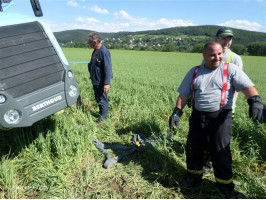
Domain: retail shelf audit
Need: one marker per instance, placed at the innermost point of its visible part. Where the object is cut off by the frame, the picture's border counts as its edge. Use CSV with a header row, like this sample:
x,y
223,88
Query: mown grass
x,y
56,159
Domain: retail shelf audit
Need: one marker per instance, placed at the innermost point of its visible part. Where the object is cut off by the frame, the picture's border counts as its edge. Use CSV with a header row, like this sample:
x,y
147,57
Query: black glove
x,y
174,119
256,108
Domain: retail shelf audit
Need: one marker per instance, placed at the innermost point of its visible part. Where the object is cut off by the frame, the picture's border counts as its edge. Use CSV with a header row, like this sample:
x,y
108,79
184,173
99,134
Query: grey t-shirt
x,y
208,86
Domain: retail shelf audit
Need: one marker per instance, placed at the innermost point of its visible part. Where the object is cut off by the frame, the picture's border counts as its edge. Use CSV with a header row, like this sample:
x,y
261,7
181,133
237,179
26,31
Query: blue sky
x,y
137,15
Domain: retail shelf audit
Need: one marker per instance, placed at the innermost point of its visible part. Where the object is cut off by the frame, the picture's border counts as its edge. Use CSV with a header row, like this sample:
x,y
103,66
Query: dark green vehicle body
x,y
35,78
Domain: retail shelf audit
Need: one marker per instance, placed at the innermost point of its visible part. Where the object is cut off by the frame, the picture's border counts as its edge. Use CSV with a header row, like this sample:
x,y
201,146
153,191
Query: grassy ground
x,y
55,158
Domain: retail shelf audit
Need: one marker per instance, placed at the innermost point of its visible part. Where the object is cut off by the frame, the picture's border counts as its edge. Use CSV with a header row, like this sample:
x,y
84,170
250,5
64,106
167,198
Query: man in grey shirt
x,y
225,37
210,121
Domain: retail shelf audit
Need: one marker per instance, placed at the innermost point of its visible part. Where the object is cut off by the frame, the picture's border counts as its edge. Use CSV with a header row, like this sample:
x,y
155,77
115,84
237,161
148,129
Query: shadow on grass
x,y
14,140
163,169
159,165
207,190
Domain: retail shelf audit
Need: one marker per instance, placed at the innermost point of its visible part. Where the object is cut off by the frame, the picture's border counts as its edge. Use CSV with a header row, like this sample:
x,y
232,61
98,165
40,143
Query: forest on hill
x,y
182,39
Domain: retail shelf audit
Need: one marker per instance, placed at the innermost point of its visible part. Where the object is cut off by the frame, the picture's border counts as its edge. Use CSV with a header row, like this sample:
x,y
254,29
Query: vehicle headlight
x,y
70,74
2,99
12,116
73,91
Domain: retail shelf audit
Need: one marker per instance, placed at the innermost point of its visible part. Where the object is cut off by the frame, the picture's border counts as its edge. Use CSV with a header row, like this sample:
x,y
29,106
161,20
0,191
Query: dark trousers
x,y
211,131
102,100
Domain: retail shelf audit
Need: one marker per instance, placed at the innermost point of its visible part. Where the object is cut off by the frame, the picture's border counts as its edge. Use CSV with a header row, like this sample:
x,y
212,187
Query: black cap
x,y
224,31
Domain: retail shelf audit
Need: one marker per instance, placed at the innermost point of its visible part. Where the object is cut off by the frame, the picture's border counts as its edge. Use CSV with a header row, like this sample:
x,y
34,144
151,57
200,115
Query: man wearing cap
x,y
212,86
225,36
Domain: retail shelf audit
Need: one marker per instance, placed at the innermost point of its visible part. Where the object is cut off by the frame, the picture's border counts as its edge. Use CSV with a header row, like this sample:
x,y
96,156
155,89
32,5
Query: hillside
x,y
241,36
181,39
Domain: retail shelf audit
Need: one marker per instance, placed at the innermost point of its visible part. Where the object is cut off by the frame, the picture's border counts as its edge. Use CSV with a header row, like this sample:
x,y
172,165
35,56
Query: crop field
x,y
55,158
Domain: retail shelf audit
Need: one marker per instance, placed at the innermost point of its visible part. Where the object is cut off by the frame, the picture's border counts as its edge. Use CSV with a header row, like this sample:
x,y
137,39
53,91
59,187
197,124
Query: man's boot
x,y
227,190
191,180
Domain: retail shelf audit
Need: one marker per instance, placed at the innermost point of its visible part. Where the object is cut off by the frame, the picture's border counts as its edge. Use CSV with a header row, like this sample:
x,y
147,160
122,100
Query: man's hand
x,y
106,88
256,108
174,119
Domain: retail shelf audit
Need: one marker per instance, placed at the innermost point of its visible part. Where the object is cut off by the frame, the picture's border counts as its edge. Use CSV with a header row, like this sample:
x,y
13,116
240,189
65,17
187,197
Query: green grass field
x,y
55,158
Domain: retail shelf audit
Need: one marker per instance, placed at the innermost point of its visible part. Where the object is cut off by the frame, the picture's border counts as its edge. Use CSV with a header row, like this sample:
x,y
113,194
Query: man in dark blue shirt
x,y
100,68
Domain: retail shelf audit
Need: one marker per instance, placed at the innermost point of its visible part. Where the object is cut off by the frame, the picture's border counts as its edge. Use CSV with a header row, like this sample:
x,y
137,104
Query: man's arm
x,y
181,101
250,92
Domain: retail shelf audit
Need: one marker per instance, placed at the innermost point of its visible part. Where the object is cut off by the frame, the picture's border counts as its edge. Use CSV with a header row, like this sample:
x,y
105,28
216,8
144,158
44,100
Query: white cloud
x,y
175,22
72,3
97,9
262,1
125,15
87,20
105,27
137,24
88,24
113,27
123,21
243,24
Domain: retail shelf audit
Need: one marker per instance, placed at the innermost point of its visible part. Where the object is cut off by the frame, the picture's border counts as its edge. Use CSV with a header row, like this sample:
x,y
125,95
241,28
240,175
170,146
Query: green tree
x,y
238,48
257,48
169,47
198,48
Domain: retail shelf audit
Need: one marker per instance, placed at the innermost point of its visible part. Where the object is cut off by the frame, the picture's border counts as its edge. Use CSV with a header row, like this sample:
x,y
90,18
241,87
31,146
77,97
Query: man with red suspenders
x,y
225,37
213,85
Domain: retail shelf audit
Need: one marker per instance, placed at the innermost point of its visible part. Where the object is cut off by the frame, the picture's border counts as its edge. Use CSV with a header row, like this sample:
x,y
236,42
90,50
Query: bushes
x,y
198,48
257,49
238,48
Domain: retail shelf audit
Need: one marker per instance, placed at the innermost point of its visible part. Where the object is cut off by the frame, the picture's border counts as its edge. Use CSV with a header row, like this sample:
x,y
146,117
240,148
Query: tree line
x,y
181,39
252,49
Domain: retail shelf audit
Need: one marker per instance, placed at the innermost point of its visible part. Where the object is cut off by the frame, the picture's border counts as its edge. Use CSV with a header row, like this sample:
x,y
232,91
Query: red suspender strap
x,y
225,80
193,79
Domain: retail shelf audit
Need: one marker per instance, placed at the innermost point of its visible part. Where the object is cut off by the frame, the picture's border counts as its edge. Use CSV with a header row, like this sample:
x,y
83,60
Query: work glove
x,y
174,119
256,108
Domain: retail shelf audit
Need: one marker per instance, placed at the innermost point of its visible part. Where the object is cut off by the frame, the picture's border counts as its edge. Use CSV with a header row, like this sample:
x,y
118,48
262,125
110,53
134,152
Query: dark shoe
x,y
191,180
228,193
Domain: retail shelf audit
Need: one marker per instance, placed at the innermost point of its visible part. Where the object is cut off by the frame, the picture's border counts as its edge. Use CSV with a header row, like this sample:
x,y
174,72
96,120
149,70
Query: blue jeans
x,y
102,100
